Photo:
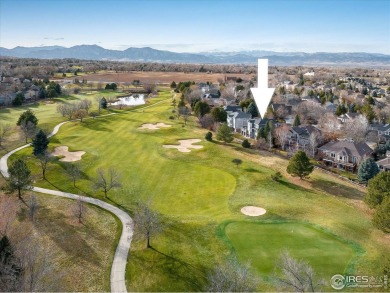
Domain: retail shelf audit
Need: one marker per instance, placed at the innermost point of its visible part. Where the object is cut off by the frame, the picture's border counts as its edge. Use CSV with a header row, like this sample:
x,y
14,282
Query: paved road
x,y
118,268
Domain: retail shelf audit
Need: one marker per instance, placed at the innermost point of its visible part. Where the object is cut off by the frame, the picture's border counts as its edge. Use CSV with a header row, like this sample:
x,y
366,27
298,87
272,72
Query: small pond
x,y
133,100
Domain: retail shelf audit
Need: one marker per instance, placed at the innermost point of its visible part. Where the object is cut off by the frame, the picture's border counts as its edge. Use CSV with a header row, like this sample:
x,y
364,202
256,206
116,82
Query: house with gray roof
x,y
300,135
348,117
384,164
344,154
383,131
238,120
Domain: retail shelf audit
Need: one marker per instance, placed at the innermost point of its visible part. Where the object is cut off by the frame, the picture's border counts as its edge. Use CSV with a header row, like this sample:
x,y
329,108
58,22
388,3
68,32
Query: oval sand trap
x,y
253,211
68,156
153,126
185,145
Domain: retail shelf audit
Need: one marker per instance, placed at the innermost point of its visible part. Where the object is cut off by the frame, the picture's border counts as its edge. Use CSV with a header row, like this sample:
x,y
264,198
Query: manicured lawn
x,y
262,243
196,193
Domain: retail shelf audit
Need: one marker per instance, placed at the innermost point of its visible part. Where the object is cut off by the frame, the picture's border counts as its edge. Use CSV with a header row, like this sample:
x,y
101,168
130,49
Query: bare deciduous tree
x,y
74,172
29,129
146,222
185,112
8,209
282,134
149,87
232,277
295,275
357,128
207,121
314,141
79,210
33,207
85,104
80,114
107,180
4,130
330,125
44,160
37,267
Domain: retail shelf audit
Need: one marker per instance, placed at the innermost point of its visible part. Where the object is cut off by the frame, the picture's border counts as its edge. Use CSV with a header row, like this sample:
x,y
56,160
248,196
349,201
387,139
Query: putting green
x,y
262,243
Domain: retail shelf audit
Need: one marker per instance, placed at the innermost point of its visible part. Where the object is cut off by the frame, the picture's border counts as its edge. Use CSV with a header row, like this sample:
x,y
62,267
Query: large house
x,y
254,125
383,130
384,164
238,120
300,135
344,154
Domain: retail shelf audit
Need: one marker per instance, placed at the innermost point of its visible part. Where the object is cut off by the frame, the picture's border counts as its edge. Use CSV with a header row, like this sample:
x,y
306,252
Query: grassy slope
x,y
81,253
198,192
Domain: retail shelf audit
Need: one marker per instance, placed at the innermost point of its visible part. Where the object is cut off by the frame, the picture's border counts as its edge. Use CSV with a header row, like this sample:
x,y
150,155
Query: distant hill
x,y
94,52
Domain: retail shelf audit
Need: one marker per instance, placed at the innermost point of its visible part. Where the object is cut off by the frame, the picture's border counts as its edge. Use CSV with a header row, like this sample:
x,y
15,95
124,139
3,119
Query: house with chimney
x,y
344,154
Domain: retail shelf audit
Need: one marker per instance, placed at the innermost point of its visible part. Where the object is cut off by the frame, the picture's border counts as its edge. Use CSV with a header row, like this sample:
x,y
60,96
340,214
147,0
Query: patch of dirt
x,y
68,156
185,145
253,211
154,126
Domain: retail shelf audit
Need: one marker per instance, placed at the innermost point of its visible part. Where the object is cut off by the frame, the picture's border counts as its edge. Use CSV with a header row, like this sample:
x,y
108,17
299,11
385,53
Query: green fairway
x,y
196,193
262,244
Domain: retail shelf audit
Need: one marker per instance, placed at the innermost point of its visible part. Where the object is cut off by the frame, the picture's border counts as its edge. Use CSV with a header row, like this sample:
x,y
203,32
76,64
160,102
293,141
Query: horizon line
x,y
197,52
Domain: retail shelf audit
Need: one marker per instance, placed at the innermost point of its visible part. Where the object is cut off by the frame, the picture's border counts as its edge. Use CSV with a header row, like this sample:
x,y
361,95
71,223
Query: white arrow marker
x,y
262,94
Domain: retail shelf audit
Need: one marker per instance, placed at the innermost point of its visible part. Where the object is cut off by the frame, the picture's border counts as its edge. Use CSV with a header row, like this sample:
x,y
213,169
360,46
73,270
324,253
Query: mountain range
x,y
147,54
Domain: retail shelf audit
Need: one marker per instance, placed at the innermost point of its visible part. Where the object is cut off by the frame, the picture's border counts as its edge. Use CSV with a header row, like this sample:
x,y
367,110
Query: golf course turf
x,y
262,243
197,193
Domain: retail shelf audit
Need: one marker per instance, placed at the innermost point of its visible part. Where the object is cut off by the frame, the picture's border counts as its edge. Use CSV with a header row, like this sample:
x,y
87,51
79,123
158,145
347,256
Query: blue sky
x,y
202,25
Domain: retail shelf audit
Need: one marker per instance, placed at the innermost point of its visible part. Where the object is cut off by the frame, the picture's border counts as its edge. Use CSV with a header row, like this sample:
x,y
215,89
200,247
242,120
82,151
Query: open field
x,y
81,254
198,193
160,77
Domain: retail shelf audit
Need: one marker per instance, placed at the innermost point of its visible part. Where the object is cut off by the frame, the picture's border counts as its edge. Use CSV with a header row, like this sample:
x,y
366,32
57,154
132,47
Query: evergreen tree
x,y
381,218
252,109
224,133
341,109
103,103
219,114
42,93
378,189
173,85
201,108
27,116
297,121
300,165
40,143
246,144
209,136
261,133
10,269
18,100
367,170
19,177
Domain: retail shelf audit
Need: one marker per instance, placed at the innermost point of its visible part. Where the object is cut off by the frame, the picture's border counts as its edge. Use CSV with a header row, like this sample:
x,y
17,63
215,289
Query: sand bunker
x,y
253,211
153,126
68,156
185,145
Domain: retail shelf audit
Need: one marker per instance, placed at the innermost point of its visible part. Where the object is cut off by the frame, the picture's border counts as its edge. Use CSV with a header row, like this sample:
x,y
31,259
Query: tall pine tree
x,y
297,121
300,165
367,170
40,143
